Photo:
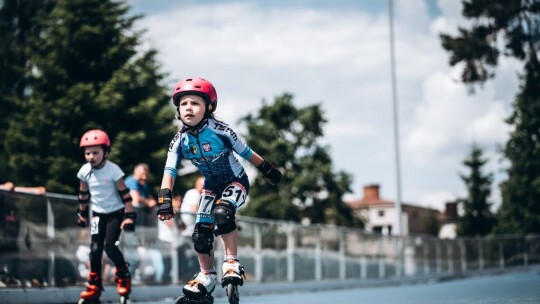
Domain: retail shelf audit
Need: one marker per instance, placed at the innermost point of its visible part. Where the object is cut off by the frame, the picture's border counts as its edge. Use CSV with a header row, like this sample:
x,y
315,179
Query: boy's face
x,y
192,109
94,155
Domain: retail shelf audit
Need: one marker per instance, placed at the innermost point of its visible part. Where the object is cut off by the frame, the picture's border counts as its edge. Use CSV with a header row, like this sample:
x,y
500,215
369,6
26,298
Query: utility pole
x,y
396,118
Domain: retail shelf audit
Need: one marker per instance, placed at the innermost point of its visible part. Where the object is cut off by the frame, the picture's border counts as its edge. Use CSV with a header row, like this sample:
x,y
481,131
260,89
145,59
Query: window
x,y
381,213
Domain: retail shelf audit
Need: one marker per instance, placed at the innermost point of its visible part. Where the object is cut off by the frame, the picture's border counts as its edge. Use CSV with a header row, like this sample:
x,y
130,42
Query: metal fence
x,y
41,245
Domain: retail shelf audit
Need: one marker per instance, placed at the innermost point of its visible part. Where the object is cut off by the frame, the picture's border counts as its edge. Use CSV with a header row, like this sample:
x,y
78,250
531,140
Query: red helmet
x,y
196,86
95,138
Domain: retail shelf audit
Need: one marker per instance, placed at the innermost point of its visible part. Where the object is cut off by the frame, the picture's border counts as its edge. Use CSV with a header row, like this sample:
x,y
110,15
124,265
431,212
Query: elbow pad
x,y
124,194
84,201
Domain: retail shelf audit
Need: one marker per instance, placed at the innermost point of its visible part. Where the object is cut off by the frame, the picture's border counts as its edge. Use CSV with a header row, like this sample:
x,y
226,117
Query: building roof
x,y
371,198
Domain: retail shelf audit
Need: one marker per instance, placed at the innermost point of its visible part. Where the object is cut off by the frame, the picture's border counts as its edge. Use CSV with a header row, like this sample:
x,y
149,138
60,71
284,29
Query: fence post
x,y
450,257
525,253
258,248
501,256
425,251
480,254
438,258
342,256
318,256
400,256
50,240
381,261
290,253
463,255
363,261
173,247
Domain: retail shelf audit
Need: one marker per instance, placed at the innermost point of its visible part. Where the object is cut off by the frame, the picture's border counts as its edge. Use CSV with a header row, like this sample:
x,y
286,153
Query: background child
x,y
210,144
102,185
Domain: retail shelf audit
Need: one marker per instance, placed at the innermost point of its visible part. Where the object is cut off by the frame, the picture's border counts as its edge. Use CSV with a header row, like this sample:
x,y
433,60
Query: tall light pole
x,y
396,117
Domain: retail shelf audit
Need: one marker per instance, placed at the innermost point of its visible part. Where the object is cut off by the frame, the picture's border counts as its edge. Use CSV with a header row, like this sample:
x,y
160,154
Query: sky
x,y
337,54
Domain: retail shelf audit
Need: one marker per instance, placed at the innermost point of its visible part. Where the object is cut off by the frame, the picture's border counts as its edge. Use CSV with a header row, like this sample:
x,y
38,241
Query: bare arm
x,y
167,182
34,190
256,159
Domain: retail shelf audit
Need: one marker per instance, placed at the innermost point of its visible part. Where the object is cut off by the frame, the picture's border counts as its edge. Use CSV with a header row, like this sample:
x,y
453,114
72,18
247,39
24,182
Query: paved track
x,y
515,288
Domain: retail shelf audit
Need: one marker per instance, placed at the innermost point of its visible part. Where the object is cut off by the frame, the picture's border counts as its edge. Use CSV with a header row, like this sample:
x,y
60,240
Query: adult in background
x,y
143,202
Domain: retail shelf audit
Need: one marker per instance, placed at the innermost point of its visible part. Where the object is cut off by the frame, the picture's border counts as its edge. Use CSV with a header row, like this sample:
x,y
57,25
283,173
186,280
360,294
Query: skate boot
x,y
93,289
123,279
233,273
199,290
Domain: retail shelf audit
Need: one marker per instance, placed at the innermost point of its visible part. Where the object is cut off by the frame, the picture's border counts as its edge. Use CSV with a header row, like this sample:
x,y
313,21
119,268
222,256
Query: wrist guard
x,y
164,205
269,171
84,214
130,227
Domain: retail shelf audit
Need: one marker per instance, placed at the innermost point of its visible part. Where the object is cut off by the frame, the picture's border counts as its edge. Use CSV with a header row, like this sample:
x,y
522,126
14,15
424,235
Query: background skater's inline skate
x,y
123,281
233,276
94,287
199,290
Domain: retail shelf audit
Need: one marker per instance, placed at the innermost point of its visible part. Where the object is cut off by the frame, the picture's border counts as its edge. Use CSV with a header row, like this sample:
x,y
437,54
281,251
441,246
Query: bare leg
x,y
206,261
230,242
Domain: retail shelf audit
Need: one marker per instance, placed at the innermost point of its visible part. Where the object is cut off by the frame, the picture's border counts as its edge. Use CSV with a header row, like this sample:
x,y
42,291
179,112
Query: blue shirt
x,y
133,184
210,150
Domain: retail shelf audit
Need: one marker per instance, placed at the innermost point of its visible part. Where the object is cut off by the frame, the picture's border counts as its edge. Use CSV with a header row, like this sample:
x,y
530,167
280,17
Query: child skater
x,y
102,186
209,144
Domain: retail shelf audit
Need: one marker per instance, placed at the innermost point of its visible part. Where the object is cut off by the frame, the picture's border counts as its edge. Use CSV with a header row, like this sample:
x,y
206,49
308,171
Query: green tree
x,y
517,24
477,218
17,27
289,136
84,73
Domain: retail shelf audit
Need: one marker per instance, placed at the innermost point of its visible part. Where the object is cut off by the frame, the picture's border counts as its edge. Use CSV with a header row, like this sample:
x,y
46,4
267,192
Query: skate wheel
x,y
208,300
182,300
83,301
232,294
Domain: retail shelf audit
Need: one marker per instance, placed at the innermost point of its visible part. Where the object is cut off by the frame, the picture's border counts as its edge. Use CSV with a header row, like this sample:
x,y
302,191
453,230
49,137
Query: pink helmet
x,y
196,86
95,138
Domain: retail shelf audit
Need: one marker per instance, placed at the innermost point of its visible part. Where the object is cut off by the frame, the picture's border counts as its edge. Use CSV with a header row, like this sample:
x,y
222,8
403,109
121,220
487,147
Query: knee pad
x,y
203,237
223,214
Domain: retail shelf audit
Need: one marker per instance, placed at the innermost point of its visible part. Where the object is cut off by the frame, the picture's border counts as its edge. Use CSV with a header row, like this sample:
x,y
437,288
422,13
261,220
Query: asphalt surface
x,y
515,288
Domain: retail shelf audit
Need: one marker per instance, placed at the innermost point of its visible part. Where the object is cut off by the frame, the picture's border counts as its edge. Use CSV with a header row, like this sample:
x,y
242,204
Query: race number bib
x,y
206,203
235,192
94,225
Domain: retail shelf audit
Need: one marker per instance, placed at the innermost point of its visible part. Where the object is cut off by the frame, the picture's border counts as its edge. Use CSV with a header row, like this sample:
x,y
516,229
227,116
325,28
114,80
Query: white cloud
x,y
490,127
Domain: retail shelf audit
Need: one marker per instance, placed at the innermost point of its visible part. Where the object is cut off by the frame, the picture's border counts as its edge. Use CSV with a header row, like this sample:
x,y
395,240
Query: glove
x,y
269,171
131,226
164,205
82,214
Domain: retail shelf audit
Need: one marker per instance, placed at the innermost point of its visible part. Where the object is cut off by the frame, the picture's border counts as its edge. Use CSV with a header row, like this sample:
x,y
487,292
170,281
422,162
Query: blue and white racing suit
x,y
210,150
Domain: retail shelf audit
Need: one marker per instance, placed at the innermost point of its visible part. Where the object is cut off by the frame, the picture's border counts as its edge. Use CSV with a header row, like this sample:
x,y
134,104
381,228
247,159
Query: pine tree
x,y
517,23
310,188
17,27
85,72
477,219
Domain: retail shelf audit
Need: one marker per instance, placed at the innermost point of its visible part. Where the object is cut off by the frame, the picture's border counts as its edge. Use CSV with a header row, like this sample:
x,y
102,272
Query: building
x,y
448,221
380,214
